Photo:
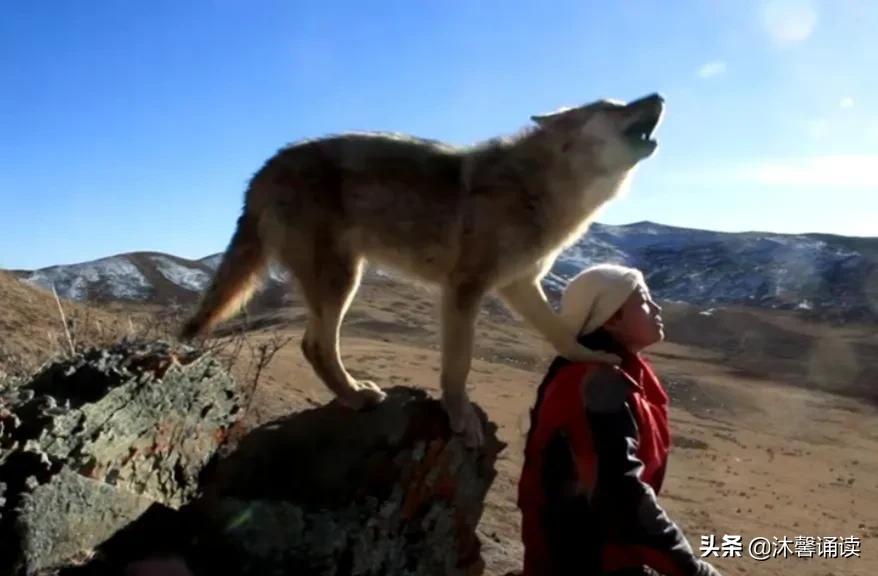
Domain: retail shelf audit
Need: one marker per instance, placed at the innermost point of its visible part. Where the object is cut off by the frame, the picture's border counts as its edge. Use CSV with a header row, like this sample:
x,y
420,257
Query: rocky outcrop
x,y
125,454
91,442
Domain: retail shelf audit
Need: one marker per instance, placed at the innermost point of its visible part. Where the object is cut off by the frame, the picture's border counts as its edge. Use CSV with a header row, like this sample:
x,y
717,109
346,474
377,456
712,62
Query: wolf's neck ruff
x,y
560,195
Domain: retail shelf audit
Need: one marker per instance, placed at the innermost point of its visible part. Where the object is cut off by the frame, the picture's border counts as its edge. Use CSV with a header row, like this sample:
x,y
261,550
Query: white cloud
x,y
849,172
789,21
846,102
711,69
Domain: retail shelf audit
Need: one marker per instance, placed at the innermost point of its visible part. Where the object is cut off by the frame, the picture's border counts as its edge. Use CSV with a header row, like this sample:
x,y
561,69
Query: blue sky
x,y
135,125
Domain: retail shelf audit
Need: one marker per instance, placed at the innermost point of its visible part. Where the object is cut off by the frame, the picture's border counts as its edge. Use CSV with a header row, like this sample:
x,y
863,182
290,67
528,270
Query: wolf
x,y
472,220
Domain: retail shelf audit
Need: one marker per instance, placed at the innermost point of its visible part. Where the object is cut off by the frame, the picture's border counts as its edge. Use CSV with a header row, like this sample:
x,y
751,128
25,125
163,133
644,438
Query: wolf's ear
x,y
551,118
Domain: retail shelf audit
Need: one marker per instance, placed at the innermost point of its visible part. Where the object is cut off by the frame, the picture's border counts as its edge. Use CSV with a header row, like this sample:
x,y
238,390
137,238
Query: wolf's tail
x,y
234,282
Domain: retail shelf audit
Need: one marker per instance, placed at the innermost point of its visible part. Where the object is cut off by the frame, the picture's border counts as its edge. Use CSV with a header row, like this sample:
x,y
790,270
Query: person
x,y
597,449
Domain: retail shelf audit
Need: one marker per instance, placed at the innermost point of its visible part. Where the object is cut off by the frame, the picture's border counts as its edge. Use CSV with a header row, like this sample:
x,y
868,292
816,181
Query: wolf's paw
x,y
370,392
464,421
579,353
364,394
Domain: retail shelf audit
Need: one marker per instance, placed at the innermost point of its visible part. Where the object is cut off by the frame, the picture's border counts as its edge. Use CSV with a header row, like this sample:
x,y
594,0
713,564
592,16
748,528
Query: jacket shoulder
x,y
605,388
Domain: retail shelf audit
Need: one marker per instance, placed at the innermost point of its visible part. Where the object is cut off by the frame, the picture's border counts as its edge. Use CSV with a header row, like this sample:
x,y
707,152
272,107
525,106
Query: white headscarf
x,y
595,294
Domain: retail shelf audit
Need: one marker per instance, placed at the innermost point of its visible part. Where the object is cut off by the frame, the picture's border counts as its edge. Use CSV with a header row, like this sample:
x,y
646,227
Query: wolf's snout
x,y
647,110
654,100
643,115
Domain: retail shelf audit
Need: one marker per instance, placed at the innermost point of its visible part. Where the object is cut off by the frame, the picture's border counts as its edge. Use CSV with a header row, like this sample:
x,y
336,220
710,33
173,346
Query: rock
x,y
331,491
88,443
121,461
68,515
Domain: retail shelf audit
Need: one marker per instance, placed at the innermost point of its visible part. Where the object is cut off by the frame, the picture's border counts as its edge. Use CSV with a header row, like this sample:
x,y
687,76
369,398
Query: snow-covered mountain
x,y
137,276
830,275
140,277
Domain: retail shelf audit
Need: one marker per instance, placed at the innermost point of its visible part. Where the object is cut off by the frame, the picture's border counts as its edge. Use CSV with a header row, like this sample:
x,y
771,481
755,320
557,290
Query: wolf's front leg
x,y
526,297
460,305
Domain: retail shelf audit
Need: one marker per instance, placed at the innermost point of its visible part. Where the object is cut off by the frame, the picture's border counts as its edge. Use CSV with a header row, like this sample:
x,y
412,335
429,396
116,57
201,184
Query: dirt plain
x,y
774,418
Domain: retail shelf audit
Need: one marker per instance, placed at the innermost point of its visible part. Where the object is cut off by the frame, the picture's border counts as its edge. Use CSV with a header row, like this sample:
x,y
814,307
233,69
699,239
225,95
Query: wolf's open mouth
x,y
641,130
647,112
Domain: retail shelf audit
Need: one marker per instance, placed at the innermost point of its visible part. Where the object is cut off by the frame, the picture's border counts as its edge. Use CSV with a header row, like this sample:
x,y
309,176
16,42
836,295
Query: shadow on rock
x,y
327,491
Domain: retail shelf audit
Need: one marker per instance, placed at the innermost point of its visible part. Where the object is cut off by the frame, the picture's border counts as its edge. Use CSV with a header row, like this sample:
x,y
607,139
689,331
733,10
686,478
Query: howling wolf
x,y
471,220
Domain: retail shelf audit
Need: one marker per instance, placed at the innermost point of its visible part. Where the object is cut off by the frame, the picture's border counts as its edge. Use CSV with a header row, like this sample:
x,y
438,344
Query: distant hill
x,y
31,327
825,275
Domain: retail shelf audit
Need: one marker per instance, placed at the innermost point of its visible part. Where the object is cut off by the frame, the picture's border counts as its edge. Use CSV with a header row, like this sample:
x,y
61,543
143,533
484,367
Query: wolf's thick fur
x,y
470,220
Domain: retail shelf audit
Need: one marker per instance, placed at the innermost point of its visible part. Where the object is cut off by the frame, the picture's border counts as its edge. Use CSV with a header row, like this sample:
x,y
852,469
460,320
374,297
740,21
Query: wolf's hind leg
x,y
329,282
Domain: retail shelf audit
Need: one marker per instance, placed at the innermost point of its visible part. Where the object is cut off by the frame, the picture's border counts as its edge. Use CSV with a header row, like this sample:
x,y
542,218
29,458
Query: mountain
x,y
136,276
830,276
141,277
833,276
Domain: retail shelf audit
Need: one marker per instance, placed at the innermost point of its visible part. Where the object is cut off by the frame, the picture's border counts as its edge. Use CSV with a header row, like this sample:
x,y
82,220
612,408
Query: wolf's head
x,y
606,135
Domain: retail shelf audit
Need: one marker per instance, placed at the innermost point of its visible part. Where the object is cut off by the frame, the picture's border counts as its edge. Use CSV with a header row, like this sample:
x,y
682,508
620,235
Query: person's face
x,y
638,322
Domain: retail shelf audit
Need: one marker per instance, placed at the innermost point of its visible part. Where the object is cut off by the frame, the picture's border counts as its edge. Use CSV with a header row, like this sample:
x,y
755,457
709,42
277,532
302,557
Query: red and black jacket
x,y
595,459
